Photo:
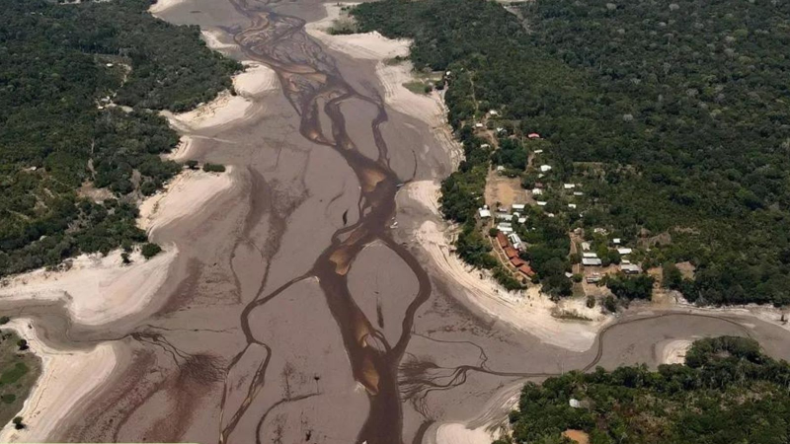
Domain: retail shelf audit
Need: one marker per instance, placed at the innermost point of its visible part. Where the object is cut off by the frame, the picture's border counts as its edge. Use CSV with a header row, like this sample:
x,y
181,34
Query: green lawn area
x,y
19,371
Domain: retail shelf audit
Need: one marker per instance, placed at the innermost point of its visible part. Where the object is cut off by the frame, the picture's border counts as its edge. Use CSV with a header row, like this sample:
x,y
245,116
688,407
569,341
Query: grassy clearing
x,y
19,370
418,87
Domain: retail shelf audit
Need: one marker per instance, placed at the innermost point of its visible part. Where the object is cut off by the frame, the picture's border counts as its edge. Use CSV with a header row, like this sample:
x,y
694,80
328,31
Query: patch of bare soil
x,y
504,191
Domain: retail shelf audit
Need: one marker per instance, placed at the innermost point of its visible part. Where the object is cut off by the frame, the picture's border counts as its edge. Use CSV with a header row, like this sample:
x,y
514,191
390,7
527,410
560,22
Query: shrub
x,y
150,250
213,168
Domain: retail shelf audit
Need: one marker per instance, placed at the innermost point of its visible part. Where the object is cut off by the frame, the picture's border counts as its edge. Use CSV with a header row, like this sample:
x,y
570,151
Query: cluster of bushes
x,y
728,392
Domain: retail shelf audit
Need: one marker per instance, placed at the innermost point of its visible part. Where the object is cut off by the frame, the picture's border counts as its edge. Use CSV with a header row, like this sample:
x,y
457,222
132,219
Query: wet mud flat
x,y
297,311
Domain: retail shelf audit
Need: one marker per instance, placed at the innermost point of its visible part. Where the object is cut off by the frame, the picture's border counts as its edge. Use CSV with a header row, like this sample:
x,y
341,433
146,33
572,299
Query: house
x,y
616,241
526,270
569,186
578,193
500,130
545,168
591,262
478,125
601,231
518,207
485,145
511,252
505,229
571,205
500,168
586,246
630,268
521,220
505,217
501,239
593,278
541,203
515,240
493,112
537,191
538,151
533,136
589,254
484,213
623,251
517,262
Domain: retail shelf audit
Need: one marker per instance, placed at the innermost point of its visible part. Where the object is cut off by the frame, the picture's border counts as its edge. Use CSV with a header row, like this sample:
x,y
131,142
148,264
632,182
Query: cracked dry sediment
x,y
293,310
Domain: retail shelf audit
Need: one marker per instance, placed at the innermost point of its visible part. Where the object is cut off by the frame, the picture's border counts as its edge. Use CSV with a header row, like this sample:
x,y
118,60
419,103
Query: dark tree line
x,y
729,392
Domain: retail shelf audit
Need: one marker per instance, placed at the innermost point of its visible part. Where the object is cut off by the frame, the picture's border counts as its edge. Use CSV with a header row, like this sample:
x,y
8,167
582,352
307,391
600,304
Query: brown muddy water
x,y
294,312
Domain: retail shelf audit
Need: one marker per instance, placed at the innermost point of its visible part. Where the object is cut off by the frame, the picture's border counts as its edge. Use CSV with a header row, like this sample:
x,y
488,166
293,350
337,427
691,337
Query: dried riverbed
x,y
296,309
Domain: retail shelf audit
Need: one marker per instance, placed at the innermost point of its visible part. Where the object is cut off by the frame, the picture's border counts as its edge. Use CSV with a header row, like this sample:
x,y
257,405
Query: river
x,y
297,311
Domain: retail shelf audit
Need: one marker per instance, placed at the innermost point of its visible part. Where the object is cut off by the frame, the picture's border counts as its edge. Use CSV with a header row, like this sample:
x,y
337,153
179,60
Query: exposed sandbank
x,y
674,352
163,5
96,289
429,108
529,311
228,108
182,197
67,377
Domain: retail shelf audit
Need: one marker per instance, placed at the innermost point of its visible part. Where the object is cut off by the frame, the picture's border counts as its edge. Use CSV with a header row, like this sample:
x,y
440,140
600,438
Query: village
x,y
511,212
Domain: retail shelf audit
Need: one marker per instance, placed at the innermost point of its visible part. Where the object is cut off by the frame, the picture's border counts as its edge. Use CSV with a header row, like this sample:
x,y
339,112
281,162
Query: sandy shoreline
x,y
531,312
181,197
67,378
428,108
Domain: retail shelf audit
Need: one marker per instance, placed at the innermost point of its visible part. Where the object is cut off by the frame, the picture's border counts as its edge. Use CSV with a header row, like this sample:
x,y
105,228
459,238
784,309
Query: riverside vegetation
x,y
671,114
728,392
80,138
19,370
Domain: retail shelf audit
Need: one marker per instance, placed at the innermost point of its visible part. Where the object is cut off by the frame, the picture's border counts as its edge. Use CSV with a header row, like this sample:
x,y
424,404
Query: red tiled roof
x,y
511,252
526,270
517,262
502,239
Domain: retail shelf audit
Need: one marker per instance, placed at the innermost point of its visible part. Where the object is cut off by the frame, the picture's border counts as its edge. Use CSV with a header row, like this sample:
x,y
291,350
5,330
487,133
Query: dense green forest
x,y
728,392
673,115
64,72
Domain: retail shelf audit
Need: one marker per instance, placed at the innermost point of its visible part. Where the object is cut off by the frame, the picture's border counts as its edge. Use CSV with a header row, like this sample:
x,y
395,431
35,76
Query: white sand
x,y
182,151
66,378
529,311
183,196
491,423
163,5
674,352
217,39
226,108
457,433
255,80
97,290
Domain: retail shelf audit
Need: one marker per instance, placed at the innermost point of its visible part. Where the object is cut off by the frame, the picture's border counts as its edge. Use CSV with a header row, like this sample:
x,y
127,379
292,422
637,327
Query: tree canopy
x,y
78,84
729,392
671,114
